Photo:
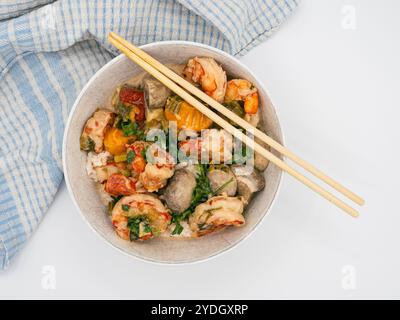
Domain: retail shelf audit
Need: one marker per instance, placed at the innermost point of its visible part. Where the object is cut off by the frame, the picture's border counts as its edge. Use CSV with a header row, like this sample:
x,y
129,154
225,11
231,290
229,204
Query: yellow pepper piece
x,y
187,117
120,157
115,141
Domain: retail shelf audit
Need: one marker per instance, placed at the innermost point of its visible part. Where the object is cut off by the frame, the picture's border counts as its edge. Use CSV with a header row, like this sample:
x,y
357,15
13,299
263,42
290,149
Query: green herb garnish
x,y
200,194
112,203
125,207
178,228
130,128
222,187
147,228
130,156
203,187
134,224
143,153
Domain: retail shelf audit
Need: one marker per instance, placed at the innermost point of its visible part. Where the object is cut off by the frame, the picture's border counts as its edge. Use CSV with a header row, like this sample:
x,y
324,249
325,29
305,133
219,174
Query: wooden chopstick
x,y
123,47
241,122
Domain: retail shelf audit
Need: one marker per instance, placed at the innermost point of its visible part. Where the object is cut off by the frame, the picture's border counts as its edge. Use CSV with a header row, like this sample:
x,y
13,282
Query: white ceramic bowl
x,y
96,94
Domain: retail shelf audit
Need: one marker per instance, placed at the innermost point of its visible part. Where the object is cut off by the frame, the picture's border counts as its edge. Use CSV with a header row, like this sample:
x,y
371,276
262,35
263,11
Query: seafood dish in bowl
x,y
148,191
155,169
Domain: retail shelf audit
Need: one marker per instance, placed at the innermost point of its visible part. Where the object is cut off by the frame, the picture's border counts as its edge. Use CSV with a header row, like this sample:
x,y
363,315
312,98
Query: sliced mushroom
x,y
255,120
249,181
189,166
260,163
155,119
222,180
178,193
156,93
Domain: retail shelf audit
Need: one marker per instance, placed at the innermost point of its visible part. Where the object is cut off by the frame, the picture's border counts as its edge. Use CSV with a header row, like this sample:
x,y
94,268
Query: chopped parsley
x,y
125,207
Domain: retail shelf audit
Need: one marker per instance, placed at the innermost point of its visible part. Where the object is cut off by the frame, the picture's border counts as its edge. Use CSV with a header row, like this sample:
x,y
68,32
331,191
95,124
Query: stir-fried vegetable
x,y
115,141
120,158
86,143
130,103
186,116
237,107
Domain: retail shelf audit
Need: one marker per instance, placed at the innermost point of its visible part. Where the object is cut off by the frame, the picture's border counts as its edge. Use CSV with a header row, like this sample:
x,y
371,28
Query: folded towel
x,y
50,49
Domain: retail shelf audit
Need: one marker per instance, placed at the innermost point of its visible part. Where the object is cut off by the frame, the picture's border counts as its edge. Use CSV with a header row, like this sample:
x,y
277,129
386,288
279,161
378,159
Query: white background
x,y
337,94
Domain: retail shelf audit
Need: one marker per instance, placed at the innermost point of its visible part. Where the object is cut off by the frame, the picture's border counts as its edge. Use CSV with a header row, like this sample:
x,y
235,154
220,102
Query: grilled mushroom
x,y
156,93
248,181
178,193
260,163
222,180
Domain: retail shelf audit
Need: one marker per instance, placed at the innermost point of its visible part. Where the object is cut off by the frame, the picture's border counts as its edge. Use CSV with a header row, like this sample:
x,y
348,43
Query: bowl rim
x,y
64,146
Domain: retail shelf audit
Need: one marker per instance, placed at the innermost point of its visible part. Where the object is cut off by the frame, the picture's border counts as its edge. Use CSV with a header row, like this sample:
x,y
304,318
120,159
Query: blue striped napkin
x,y
49,50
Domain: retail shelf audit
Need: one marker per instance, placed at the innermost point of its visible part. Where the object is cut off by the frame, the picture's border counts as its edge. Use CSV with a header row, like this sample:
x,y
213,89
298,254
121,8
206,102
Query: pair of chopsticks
x,y
186,91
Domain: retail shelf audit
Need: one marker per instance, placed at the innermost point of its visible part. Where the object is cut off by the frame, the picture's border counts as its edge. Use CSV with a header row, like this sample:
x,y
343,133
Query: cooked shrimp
x,y
139,217
216,213
158,170
218,145
209,74
155,176
138,164
239,89
117,185
93,133
214,146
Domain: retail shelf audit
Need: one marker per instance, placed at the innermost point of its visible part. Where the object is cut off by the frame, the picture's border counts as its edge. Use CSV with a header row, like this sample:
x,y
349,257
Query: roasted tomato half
x,y
131,97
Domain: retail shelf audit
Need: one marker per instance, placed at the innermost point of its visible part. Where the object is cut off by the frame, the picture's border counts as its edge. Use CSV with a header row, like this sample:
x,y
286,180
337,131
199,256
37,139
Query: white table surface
x,y
337,94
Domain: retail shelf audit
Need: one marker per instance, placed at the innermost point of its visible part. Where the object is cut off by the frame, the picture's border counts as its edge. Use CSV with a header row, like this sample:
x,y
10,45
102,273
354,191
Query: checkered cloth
x,y
50,49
